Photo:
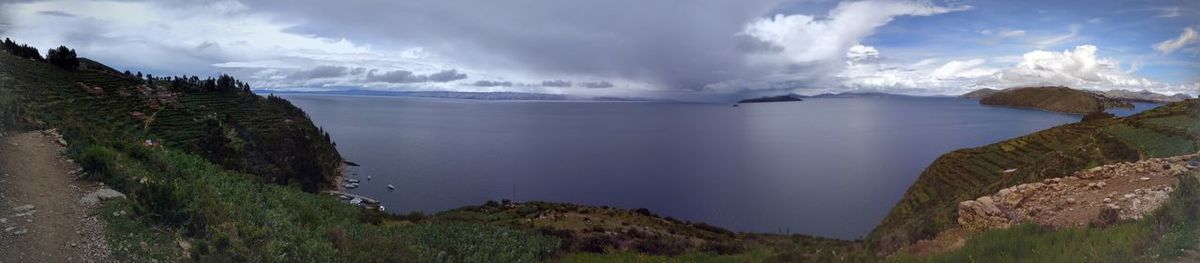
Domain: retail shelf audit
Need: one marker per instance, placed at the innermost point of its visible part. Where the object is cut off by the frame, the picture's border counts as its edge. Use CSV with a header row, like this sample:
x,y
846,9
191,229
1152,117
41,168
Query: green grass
x,y
1161,236
930,204
130,240
1153,144
232,216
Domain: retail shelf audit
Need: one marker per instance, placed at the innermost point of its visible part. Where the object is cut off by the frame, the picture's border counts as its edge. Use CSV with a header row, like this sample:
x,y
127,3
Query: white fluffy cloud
x,y
1188,37
806,39
1077,68
861,53
1080,67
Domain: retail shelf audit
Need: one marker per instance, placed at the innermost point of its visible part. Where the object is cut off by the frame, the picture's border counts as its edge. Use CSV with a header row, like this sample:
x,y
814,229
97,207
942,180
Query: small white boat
x,y
356,201
368,178
381,208
391,187
350,185
352,180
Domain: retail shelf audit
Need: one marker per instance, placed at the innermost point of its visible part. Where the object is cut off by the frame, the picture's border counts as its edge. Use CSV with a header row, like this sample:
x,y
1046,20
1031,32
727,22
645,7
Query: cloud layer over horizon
x,y
706,49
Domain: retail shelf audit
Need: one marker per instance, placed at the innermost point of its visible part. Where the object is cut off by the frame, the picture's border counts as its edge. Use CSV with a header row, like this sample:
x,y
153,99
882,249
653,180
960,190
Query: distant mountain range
x,y
459,95
1119,94
1143,96
856,95
780,98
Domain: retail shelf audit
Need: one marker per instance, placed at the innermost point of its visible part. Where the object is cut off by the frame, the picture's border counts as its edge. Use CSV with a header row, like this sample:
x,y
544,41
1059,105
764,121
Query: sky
x,y
633,48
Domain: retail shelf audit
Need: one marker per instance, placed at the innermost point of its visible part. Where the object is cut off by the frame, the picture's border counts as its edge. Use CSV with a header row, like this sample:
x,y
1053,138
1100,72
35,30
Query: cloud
x,y
56,13
404,76
1188,37
1168,12
962,69
1051,41
488,83
323,71
861,53
597,85
556,83
447,76
806,39
996,35
1080,68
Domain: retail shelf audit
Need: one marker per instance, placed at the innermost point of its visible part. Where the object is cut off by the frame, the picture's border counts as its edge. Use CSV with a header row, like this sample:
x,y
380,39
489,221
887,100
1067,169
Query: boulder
x,y
101,195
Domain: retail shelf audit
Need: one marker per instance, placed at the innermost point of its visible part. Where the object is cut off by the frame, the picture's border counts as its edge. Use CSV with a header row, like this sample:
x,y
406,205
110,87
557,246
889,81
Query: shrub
x,y
666,247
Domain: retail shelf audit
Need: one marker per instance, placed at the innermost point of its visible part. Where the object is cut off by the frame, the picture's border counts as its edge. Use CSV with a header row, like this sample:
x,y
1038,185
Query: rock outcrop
x,y
1102,194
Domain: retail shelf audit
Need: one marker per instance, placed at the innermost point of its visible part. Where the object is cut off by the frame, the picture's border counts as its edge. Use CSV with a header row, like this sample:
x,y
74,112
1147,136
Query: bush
x,y
666,247
1097,115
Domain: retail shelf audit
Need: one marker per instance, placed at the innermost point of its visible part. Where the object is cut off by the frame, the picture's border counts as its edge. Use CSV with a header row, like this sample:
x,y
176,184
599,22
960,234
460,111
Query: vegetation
x,y
216,173
929,205
21,50
1056,99
63,57
1163,235
268,137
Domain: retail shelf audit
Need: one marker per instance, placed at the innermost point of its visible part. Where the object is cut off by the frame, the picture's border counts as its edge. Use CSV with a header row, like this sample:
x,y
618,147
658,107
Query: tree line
x,y
62,56
66,58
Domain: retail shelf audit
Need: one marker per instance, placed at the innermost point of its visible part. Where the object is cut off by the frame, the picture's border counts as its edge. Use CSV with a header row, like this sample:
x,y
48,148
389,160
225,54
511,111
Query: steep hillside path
x,y
42,215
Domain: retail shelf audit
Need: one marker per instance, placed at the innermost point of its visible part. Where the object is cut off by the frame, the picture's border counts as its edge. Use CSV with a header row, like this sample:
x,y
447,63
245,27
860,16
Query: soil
x,y
42,218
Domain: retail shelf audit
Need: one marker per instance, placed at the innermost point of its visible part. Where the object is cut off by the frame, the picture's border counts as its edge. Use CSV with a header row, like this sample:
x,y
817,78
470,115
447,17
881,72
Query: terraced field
x,y
929,204
268,137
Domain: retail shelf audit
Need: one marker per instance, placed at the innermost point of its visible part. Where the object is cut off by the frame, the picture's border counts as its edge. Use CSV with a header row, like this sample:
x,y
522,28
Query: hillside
x,y
1056,99
1143,96
979,93
929,205
239,130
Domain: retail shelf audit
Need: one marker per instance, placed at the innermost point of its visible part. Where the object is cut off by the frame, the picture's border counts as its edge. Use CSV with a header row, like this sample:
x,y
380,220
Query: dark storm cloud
x,y
447,76
556,83
674,43
56,13
319,72
488,83
597,85
404,76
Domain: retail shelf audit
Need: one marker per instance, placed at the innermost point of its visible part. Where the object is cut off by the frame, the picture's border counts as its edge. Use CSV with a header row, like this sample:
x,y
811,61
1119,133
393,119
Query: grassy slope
x,y
1163,235
280,142
225,215
929,204
1056,99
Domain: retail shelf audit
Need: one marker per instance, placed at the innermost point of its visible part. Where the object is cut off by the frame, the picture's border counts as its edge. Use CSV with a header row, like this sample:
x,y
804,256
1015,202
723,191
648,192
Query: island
x,y
780,98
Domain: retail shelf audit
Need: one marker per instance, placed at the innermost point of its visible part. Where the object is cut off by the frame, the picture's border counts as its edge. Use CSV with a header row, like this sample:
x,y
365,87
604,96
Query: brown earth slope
x,y
42,215
1056,99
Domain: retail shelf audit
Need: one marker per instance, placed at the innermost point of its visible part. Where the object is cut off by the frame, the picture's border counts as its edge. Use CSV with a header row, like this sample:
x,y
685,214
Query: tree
x,y
63,57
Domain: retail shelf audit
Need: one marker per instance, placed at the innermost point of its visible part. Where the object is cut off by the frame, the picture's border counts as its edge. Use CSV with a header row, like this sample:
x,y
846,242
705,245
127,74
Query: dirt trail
x,y
42,216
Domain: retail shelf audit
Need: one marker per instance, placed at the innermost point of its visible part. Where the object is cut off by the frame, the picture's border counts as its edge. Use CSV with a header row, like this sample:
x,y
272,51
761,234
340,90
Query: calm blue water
x,y
829,167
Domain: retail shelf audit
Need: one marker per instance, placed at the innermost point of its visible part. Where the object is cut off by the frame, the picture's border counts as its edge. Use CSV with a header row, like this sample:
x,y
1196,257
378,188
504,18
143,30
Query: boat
x,y
368,178
391,187
380,208
352,180
350,185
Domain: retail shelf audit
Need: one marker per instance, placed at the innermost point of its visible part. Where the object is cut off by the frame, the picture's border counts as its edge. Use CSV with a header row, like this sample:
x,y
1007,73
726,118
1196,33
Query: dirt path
x,y
42,216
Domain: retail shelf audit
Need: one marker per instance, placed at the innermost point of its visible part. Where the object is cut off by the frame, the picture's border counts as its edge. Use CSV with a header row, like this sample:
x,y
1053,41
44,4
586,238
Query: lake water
x,y
828,167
